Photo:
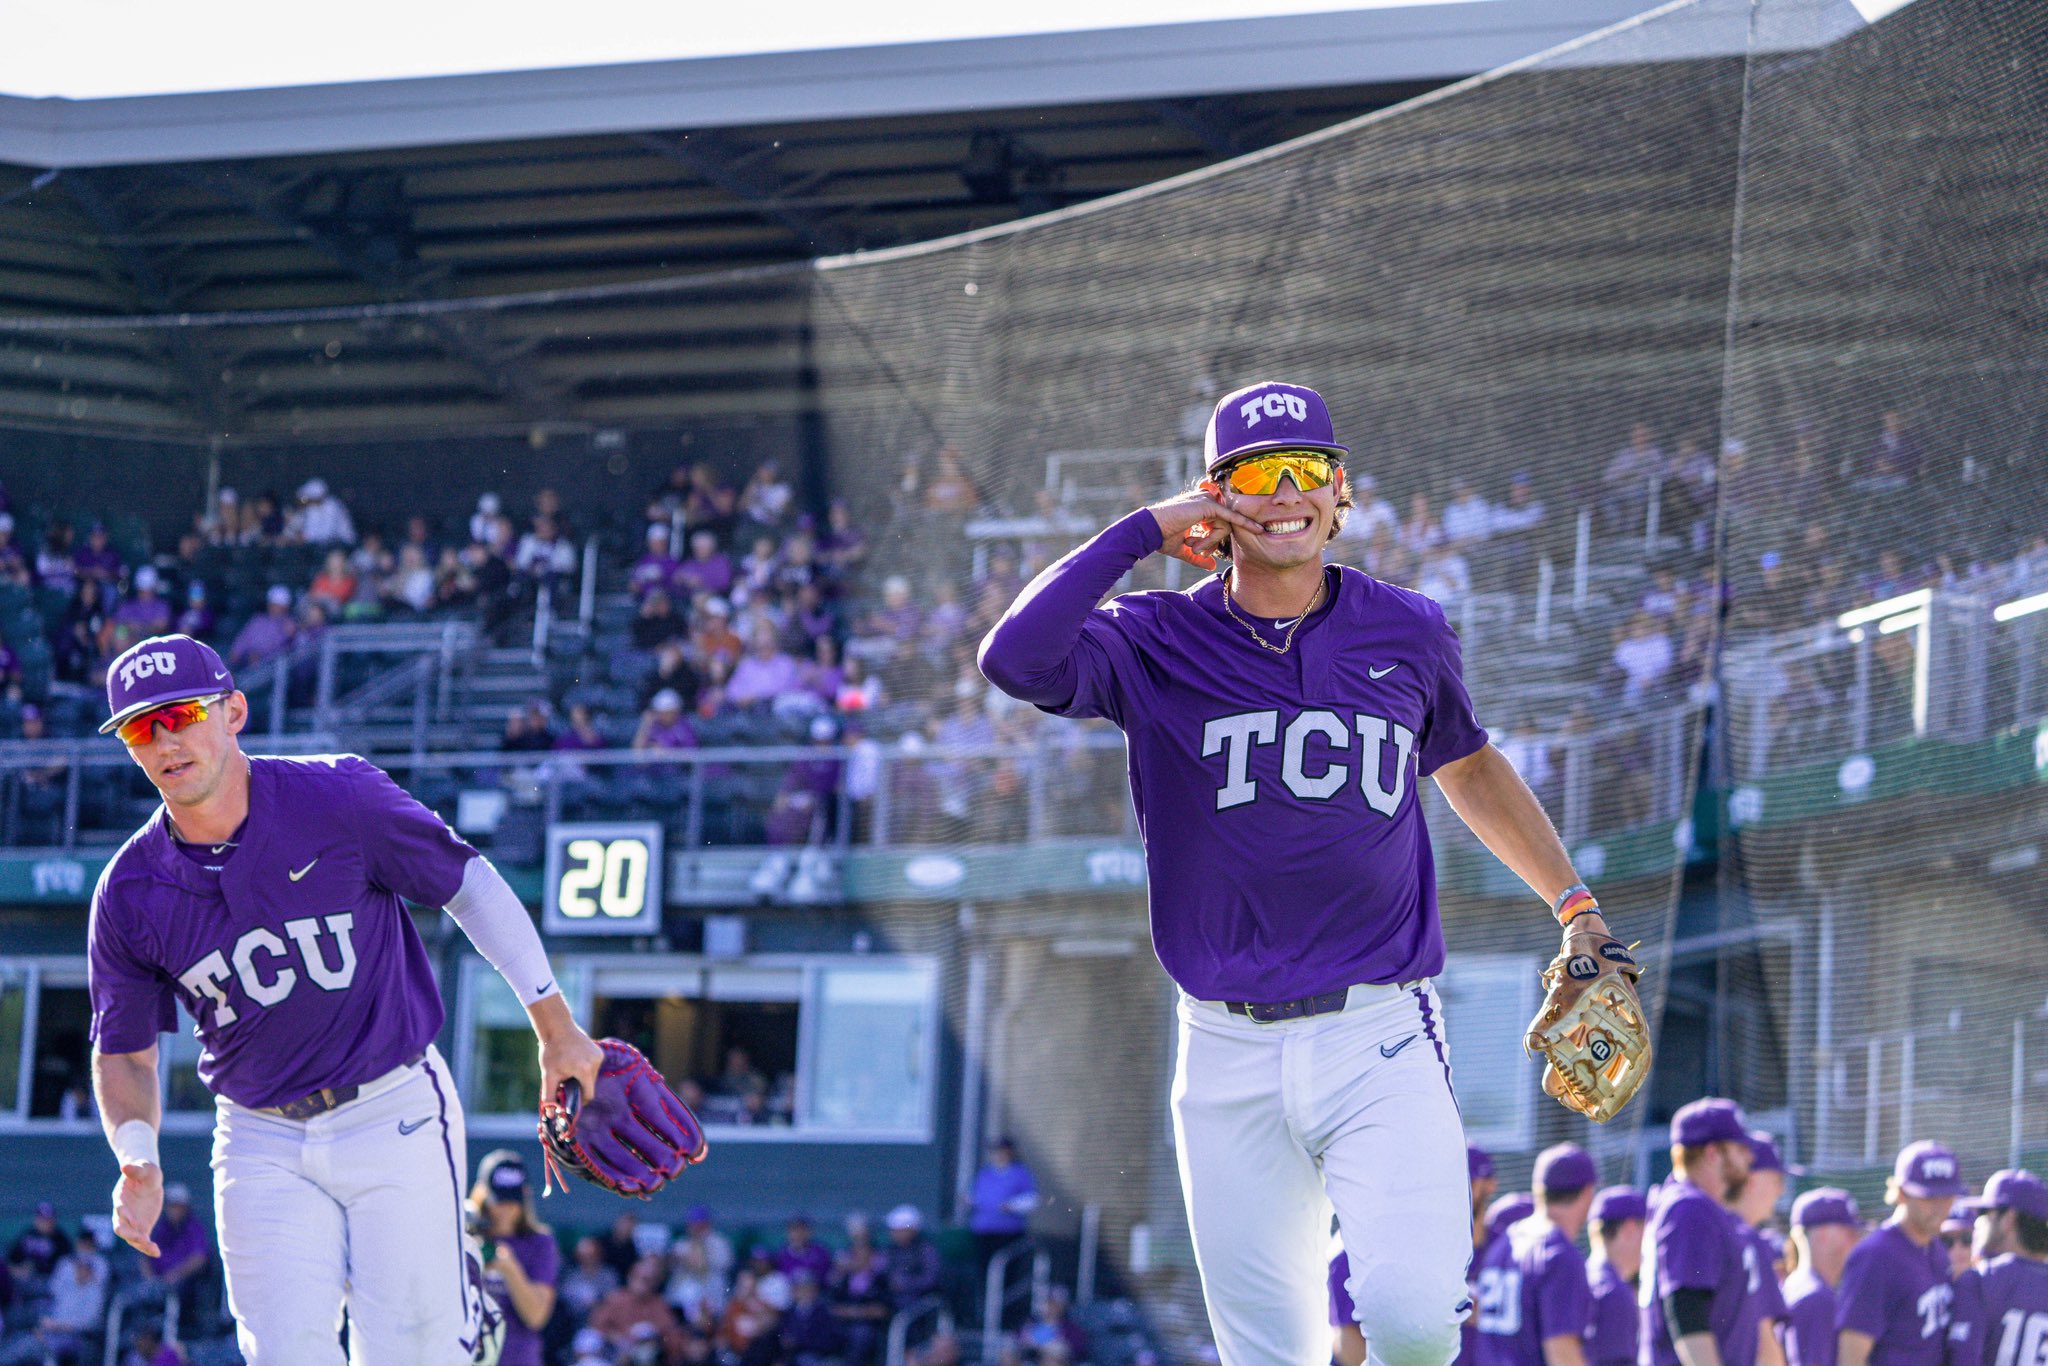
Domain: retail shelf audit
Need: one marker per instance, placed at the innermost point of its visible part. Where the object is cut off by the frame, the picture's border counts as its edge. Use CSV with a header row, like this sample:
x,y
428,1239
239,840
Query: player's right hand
x,y
138,1200
1193,525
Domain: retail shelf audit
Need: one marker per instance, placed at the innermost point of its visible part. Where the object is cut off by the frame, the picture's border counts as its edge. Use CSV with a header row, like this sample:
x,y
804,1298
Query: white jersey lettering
x,y
1234,737
306,934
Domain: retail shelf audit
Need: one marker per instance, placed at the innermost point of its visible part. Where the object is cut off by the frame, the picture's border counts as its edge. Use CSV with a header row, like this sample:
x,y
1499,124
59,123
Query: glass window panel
x,y
14,982
1488,1000
871,1049
504,1066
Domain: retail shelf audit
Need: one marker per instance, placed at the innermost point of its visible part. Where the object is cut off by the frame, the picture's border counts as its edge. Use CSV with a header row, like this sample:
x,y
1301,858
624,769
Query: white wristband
x,y
135,1143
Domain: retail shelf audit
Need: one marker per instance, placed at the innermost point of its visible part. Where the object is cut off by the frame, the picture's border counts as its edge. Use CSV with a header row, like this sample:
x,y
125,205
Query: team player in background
x,y
2000,1313
1893,1304
1751,1204
1616,1235
268,896
1280,717
1825,1225
1697,1304
1535,1301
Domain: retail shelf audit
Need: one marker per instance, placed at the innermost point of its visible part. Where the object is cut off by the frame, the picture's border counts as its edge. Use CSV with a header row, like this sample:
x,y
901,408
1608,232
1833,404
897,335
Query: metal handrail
x,y
908,1317
998,1294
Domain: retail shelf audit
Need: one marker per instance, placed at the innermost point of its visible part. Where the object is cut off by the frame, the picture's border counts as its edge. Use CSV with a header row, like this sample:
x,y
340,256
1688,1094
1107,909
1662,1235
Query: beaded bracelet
x,y
1572,903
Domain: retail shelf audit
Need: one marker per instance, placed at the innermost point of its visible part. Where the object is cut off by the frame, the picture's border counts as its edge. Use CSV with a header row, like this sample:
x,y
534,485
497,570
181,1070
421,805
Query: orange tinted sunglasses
x,y
1260,475
138,731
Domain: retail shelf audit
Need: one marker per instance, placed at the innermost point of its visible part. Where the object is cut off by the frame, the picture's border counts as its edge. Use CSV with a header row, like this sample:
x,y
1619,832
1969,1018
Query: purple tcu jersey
x,y
1235,751
1342,1310
1693,1243
296,956
1899,1295
1767,1295
2000,1314
1611,1333
1532,1287
1807,1331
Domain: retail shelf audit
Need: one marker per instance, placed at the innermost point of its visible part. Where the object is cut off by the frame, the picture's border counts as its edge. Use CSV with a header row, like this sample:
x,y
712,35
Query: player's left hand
x,y
138,1200
566,1052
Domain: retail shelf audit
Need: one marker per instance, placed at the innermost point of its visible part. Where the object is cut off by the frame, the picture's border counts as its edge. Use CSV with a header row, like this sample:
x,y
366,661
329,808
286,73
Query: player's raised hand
x,y
138,1200
1193,525
566,1053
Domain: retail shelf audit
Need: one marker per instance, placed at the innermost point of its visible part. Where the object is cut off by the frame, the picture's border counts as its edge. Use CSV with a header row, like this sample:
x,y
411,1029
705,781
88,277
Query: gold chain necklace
x,y
1260,640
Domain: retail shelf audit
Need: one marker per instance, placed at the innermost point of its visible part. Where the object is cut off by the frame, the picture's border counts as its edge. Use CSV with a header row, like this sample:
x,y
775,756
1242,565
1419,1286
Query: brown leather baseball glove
x,y
1590,1028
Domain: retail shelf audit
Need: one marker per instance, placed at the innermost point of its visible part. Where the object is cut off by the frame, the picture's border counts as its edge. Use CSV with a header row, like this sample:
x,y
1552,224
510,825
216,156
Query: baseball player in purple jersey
x,y
1534,1299
1616,1233
1698,1263
1279,718
2000,1313
268,896
1891,1308
1484,1182
1752,1206
1825,1226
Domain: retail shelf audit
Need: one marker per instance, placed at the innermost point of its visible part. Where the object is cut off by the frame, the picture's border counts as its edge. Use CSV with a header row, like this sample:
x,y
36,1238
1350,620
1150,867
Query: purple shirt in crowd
x,y
1611,1335
1342,1310
1228,741
994,1189
813,1259
1693,1243
2000,1314
1532,1287
296,956
176,1244
1899,1295
541,1259
1807,1331
712,575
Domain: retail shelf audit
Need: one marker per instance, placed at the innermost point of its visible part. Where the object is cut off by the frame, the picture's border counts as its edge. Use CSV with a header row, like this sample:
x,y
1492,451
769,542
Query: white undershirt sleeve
x,y
491,914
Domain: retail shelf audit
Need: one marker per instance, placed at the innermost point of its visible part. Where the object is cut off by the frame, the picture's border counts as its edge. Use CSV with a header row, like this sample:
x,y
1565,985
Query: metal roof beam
x,y
741,172
1217,123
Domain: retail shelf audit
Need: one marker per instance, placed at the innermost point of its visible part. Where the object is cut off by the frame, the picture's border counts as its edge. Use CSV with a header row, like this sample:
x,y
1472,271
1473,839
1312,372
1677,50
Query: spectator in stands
x,y
490,565
1825,1226
764,673
622,1245
859,690
526,1260
266,634
709,503
409,587
184,1252
766,499
656,622
860,1290
810,1334
77,1305
1615,1232
371,562
769,1281
1894,459
1005,1192
662,726
146,1347
747,1318
656,568
1444,575
335,584
673,672
1643,655
14,566
1468,518
196,619
1419,531
1049,1327
56,567
622,1314
755,576
454,579
321,519
99,560
801,1253
950,490
708,570
483,522
143,612
913,1258
588,1348
37,1249
82,636
529,729
1627,477
581,733
264,522
700,1231
843,549
544,554
589,1278
694,1290
419,534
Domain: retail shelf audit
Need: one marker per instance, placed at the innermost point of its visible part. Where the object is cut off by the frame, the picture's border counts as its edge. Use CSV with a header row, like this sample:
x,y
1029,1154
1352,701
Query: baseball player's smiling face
x,y
186,766
1297,524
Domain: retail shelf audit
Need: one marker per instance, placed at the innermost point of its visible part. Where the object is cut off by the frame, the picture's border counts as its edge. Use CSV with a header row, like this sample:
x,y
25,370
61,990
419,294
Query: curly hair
x,y
1337,519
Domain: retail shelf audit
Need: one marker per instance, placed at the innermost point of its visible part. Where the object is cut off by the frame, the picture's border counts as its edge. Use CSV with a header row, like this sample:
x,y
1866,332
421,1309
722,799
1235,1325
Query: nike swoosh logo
x,y
1378,674
404,1128
544,988
220,675
1389,1050
302,872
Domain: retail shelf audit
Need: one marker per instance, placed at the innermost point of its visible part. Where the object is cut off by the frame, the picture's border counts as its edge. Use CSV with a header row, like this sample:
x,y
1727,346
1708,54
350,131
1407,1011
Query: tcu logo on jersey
x,y
1235,736
1263,406
270,980
147,665
1933,1307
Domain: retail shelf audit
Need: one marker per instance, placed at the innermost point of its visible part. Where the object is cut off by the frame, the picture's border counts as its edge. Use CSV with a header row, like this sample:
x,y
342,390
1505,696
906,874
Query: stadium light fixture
x,y
1890,607
1904,621
2020,607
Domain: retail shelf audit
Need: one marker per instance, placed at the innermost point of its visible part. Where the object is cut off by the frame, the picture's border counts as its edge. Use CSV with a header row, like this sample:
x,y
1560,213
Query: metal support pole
x,y
973,1047
1546,580
1582,559
586,597
71,782
1824,1031
1873,1064
280,692
1091,1236
1652,515
2016,1125
323,692
1577,763
1859,694
1907,1048
884,780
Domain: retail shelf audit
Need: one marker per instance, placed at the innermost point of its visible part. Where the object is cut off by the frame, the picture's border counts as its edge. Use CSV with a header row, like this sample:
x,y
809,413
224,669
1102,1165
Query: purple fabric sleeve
x,y
1862,1300
1691,1244
1052,648
1967,1326
131,1002
1452,731
407,849
1564,1301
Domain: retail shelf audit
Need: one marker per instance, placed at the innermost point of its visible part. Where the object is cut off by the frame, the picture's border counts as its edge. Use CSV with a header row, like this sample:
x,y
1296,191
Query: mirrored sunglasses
x,y
1260,475
139,730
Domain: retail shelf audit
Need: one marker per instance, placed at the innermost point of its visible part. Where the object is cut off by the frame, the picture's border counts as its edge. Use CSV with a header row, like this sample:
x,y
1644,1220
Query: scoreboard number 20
x,y
603,879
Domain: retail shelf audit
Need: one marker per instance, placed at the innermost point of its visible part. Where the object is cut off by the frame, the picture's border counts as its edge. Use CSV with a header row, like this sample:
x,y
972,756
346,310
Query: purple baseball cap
x,y
1268,416
2015,1188
162,669
1508,1210
1565,1167
1763,1153
1825,1205
1712,1120
1618,1204
1926,1170
1478,1163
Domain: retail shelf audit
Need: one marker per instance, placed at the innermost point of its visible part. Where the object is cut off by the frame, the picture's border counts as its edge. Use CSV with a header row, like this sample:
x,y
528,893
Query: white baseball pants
x,y
1277,1123
359,1208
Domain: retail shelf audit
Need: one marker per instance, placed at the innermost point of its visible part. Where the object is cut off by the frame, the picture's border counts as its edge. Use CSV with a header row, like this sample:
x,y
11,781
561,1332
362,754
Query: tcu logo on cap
x,y
146,665
1261,406
1938,1168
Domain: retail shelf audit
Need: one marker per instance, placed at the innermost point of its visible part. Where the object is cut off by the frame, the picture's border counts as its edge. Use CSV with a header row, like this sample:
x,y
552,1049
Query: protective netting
x,y
1661,357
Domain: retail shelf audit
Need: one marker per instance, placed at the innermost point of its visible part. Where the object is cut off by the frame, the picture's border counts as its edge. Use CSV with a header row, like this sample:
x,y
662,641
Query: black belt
x,y
1272,1012
327,1098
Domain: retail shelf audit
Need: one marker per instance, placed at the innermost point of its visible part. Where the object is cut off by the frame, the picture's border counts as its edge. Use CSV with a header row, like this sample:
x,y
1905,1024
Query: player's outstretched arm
x,y
125,1085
